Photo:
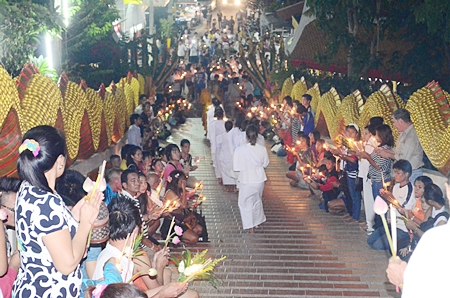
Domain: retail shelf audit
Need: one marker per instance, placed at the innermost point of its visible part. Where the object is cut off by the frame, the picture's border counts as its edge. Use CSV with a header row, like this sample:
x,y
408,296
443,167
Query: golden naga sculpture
x,y
91,120
429,108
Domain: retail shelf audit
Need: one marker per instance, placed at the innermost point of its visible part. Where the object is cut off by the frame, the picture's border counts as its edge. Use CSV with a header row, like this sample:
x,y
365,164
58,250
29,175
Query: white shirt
x,y
112,252
435,212
248,87
363,163
134,136
427,272
181,50
250,162
400,194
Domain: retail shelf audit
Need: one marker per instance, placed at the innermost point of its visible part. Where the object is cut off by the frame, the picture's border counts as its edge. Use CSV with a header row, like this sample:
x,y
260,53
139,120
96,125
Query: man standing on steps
x,y
219,18
408,146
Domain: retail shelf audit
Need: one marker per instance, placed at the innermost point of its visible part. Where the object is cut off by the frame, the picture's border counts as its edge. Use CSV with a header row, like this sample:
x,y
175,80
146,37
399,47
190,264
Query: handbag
x,y
337,206
359,184
190,220
100,231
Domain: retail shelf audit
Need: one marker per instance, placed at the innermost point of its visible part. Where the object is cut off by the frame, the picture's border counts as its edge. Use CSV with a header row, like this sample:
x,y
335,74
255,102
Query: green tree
x,y
22,26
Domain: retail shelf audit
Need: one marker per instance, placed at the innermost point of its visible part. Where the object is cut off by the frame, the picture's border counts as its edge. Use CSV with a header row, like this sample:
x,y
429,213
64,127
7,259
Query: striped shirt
x,y
385,165
296,125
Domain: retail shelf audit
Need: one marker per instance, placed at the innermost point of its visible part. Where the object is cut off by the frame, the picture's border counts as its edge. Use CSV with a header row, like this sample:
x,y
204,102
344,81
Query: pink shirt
x,y
170,168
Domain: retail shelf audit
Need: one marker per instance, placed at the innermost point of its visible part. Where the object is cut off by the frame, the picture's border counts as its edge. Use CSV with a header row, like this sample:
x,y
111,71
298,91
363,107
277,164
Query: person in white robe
x,y
210,115
216,128
250,160
226,158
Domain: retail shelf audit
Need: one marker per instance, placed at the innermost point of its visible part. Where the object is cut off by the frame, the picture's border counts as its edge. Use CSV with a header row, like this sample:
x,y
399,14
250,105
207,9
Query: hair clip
x,y
177,175
99,290
30,144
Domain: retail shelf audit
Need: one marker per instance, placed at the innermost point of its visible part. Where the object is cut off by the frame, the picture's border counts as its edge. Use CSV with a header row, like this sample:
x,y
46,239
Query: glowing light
x,y
48,49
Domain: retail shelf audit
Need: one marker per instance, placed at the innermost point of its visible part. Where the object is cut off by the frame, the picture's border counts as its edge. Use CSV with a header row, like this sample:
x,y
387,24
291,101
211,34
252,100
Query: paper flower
x,y
178,231
152,272
99,290
4,215
176,240
379,206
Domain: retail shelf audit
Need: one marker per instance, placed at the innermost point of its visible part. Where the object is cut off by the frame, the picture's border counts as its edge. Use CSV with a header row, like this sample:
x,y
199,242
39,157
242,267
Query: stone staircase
x,y
300,251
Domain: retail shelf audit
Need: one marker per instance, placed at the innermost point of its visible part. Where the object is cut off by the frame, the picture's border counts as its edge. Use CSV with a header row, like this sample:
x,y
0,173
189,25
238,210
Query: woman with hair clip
x,y
250,160
51,239
176,192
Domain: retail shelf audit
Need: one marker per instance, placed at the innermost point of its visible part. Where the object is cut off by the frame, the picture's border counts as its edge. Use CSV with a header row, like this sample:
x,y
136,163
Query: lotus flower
x,y
178,231
88,185
176,240
380,207
197,159
3,214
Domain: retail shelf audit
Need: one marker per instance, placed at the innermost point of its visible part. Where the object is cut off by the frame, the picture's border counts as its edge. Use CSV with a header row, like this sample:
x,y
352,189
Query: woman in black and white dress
x,y
51,239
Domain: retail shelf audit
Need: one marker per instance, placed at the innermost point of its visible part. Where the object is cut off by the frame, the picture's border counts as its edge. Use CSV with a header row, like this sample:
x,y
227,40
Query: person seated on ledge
x,y
304,159
176,192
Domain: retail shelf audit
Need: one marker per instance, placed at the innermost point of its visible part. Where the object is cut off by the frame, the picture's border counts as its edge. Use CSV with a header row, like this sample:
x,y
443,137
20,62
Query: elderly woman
x,y
52,239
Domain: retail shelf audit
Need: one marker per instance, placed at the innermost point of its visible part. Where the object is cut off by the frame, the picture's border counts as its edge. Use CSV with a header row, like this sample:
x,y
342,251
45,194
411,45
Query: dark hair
x,y
316,134
301,109
385,133
154,161
252,134
123,217
114,156
425,180
331,158
8,184
352,126
111,172
70,187
132,151
125,149
243,125
122,290
218,113
124,176
404,166
228,125
168,151
376,121
146,154
133,118
402,114
215,102
434,193
52,144
142,96
184,141
306,138
174,177
288,100
308,97
372,129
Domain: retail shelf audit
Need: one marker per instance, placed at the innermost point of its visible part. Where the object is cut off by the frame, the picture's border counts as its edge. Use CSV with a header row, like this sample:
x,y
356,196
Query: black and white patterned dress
x,y
39,213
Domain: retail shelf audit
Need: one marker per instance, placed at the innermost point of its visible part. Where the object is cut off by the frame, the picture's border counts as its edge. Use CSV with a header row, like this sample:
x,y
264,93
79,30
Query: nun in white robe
x,y
250,160
216,128
226,159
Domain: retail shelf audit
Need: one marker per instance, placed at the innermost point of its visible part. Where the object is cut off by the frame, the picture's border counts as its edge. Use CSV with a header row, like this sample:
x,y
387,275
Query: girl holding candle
x,y
379,167
176,192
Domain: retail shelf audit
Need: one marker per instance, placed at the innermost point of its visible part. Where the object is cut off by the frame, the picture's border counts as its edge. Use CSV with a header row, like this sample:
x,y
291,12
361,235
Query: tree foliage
x,y
22,26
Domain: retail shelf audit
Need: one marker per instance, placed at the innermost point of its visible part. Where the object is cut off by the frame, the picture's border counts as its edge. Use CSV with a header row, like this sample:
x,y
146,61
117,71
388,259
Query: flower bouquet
x,y
198,266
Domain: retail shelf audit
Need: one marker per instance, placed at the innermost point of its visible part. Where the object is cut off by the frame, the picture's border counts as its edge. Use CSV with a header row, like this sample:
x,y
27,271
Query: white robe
x,y
216,128
250,162
226,159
